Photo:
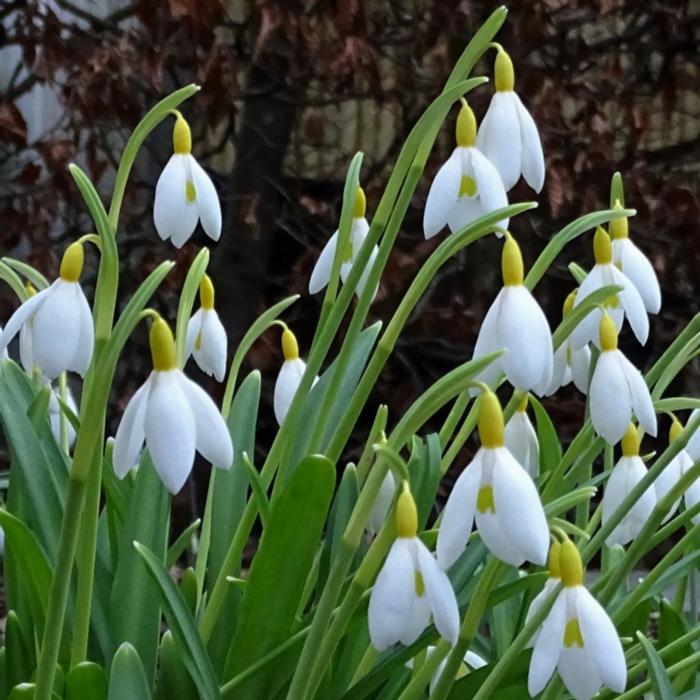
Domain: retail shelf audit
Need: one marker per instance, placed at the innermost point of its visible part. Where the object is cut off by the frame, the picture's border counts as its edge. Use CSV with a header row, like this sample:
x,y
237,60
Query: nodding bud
x,y
206,293
602,247
182,136
511,263
162,346
72,263
675,430
290,347
619,228
524,402
490,421
553,560
630,442
465,130
608,333
569,303
504,73
406,513
570,564
360,204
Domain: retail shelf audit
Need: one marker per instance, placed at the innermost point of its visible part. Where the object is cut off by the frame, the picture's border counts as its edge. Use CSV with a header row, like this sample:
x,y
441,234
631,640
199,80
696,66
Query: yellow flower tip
x,y
675,430
206,293
290,347
406,513
570,564
602,247
608,334
524,403
490,421
360,204
553,560
569,303
182,136
72,263
619,228
630,442
162,346
504,73
465,130
30,288
512,263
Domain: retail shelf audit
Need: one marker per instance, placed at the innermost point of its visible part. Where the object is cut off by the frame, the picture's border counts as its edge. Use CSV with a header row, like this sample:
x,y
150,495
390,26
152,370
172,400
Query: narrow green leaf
x,y
86,680
174,682
181,543
424,473
38,411
258,489
19,657
617,191
187,296
33,275
127,678
550,448
663,690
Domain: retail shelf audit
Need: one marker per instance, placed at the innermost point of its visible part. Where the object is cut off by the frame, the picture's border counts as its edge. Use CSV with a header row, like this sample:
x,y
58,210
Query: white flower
x,y
62,333
626,304
496,491
185,194
553,580
577,638
508,135
410,588
521,440
206,336
693,445
472,661
382,504
3,352
466,187
625,475
55,415
617,390
174,417
515,322
634,264
321,274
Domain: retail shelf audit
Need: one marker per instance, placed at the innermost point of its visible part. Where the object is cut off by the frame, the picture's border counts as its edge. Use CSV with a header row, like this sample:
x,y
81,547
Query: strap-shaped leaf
x,y
127,678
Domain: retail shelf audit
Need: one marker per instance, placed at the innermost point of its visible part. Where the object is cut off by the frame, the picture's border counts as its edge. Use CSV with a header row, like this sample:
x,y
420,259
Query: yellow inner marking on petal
x,y
612,302
190,192
569,356
572,634
484,499
630,442
198,342
467,187
419,584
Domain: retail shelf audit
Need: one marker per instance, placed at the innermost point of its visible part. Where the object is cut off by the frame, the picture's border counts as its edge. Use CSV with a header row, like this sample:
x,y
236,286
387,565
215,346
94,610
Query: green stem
x,y
453,417
639,690
458,443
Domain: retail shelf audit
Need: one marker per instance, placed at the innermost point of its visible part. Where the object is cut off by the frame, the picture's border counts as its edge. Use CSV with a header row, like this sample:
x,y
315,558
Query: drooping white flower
x,y
472,661
570,363
617,390
508,136
625,475
185,194
55,415
578,639
3,352
62,333
634,264
626,304
553,580
497,492
382,504
521,440
321,274
289,377
466,187
516,323
206,336
174,417
693,445
410,588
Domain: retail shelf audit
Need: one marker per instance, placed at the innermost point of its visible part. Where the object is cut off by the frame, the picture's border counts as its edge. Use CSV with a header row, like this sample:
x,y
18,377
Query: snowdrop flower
x,y
577,638
3,353
472,661
521,440
62,334
553,580
382,504
290,375
617,390
55,415
625,475
26,343
173,416
206,337
508,135
570,363
627,304
321,274
466,187
496,491
410,588
693,445
185,194
634,264
515,322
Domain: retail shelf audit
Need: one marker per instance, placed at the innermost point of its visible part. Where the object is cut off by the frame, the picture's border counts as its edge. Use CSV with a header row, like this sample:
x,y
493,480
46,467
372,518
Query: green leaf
x,y
181,543
617,191
344,502
23,691
661,683
424,474
174,682
672,626
38,411
19,657
550,448
182,625
86,680
33,275
127,678
512,685
258,489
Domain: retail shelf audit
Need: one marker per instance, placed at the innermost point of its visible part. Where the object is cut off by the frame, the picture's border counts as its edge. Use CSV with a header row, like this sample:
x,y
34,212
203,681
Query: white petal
x,y
441,595
581,368
667,480
559,367
286,386
635,312
416,619
588,327
464,212
22,314
26,352
499,137
549,585
489,185
358,233
693,445
86,343
321,274
642,405
208,206
474,661
578,673
548,647
382,504
639,270
488,341
131,432
521,441
442,196
609,398
194,328
692,493
211,355
532,156
173,215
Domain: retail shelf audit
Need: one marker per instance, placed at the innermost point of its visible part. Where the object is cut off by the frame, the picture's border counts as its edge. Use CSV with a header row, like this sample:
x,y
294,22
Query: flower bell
x,y
174,417
516,323
185,194
553,580
578,638
617,390
410,587
634,264
508,136
626,474
206,336
496,491
521,439
466,187
321,274
289,377
60,322
382,504
626,304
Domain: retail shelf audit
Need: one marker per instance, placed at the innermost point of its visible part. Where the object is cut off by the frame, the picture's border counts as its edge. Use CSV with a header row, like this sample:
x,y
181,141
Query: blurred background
x,y
291,89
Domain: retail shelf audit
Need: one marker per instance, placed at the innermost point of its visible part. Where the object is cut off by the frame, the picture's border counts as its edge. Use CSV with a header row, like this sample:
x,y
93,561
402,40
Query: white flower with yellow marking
x,y
553,580
497,492
185,194
60,321
289,377
321,274
206,336
466,187
174,417
626,304
516,323
578,638
508,136
617,390
626,474
521,440
410,588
